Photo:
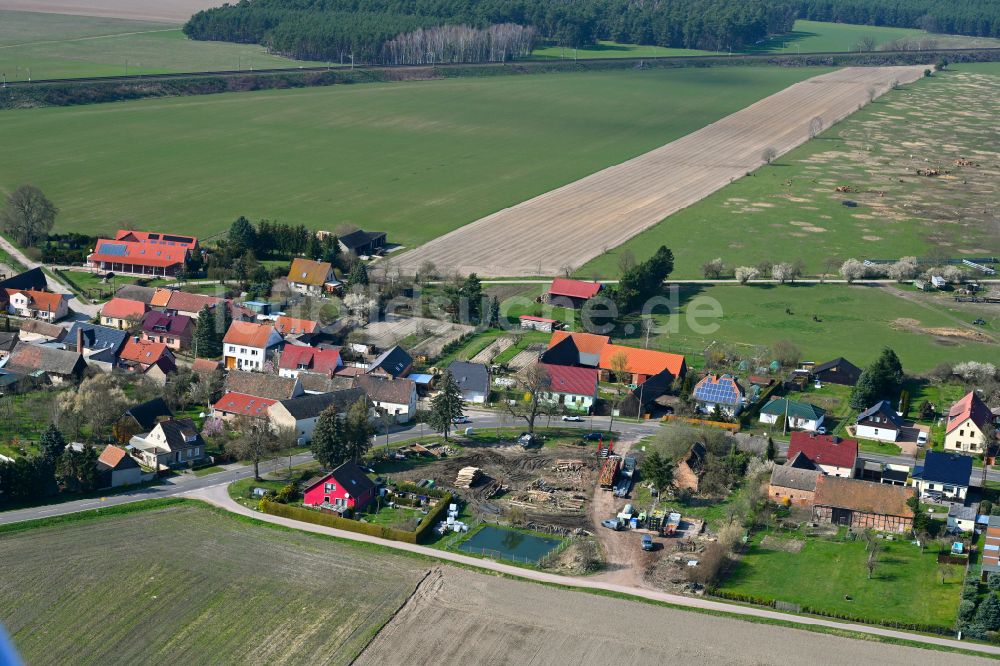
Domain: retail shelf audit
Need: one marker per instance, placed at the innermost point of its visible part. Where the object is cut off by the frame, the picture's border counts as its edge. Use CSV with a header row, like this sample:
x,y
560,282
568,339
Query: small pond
x,y
509,544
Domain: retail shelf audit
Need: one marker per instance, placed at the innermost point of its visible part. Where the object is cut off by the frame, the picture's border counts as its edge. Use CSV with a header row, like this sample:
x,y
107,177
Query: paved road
x,y
218,496
185,484
85,311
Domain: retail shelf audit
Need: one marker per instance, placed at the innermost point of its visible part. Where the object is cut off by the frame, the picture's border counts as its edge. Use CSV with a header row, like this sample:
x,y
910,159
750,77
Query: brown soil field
x,y
171,11
577,222
459,617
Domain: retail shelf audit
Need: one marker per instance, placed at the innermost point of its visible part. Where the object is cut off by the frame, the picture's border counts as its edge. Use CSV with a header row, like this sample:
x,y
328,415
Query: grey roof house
x,y
473,379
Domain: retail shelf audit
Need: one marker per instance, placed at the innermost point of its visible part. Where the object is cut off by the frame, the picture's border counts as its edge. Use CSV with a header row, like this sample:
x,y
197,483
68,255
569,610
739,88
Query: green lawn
x,y
415,159
190,582
55,46
791,210
906,586
93,285
854,321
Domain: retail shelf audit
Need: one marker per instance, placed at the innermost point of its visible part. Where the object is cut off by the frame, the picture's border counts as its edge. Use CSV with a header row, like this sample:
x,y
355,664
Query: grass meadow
x,y
415,159
179,583
791,210
832,576
55,46
851,321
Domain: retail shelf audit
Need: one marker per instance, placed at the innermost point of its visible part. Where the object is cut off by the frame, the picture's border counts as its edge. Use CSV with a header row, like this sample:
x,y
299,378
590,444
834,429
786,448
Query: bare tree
x,y
533,381
713,270
626,261
28,216
768,154
866,43
873,547
815,127
255,441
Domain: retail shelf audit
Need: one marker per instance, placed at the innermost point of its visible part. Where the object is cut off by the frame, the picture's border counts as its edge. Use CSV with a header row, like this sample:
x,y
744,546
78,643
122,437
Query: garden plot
x,y
425,336
575,223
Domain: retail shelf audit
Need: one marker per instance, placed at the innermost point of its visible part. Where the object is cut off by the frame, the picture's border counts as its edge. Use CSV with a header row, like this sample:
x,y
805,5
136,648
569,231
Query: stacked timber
x,y
467,477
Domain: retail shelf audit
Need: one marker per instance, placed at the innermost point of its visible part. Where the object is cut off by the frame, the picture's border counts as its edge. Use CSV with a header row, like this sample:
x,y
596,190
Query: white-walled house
x,y
879,422
575,389
396,397
247,346
34,304
301,413
968,420
801,415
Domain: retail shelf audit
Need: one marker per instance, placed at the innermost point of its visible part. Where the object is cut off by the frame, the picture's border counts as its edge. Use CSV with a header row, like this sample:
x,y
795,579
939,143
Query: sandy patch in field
x,y
171,11
871,238
913,325
460,617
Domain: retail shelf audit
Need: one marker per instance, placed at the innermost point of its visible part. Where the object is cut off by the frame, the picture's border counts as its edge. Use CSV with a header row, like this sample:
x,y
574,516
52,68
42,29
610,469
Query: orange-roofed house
x,y
291,326
122,313
567,348
572,293
309,277
140,355
115,467
34,304
968,422
247,345
640,364
143,253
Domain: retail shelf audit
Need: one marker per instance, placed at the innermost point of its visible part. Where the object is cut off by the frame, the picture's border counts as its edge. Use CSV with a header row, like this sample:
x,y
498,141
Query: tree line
x,y
342,30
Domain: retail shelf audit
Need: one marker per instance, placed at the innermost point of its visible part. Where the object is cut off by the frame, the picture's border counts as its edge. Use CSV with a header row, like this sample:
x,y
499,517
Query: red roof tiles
x,y
826,450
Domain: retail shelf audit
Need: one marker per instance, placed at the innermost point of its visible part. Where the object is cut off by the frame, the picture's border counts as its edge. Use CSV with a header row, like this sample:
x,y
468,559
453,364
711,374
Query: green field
x,y
791,210
53,46
186,585
854,321
816,36
906,586
415,159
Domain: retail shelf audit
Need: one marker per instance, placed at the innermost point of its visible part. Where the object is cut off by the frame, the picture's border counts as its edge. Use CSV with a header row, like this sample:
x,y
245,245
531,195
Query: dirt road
x,y
460,617
575,223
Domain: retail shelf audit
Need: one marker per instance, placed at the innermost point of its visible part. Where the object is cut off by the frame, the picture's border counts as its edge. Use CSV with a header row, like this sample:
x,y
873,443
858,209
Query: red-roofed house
x,y
34,304
641,364
142,253
832,455
117,468
968,420
572,293
233,404
567,348
122,313
174,331
247,345
573,388
295,359
141,355
292,326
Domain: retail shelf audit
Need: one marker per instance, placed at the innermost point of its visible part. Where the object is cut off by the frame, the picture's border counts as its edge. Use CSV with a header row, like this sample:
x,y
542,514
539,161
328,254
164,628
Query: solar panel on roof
x,y
114,249
179,239
153,236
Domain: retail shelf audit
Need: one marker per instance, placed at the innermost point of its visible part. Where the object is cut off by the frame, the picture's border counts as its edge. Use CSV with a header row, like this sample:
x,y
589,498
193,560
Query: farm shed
x,y
862,504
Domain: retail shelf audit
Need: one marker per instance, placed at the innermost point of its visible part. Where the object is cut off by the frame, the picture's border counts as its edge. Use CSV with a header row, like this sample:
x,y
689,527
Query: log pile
x,y
467,477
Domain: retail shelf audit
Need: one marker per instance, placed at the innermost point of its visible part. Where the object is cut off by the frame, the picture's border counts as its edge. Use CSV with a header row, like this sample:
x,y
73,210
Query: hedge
x,y
71,93
335,521
808,610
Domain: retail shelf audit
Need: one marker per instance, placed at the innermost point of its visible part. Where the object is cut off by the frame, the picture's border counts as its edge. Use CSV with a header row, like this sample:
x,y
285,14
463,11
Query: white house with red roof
x,y
572,293
830,454
572,387
142,253
247,345
295,359
968,421
34,304
123,313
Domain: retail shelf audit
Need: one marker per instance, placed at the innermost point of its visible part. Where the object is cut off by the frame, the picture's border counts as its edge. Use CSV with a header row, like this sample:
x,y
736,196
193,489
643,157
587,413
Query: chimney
x,y
135,339
79,339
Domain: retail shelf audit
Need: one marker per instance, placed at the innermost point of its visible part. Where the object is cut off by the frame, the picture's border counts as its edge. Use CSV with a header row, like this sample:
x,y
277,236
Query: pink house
x,y
343,490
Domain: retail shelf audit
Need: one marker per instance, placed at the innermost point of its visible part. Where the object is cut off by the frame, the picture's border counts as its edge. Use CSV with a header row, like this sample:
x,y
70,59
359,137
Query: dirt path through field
x,y
964,330
575,223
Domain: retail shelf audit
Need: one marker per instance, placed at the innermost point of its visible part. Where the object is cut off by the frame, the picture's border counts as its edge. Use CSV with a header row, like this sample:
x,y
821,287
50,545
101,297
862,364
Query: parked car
x,y
821,430
612,524
528,439
921,438
461,419
594,436
572,418
647,542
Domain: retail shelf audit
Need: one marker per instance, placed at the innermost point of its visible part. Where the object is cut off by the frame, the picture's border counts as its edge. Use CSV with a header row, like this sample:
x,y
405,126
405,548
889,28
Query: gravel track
x,y
575,223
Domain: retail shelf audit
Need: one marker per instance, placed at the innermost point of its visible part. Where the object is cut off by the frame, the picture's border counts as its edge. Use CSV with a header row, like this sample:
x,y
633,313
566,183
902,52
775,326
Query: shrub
x,y
966,610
